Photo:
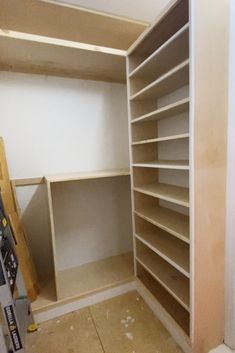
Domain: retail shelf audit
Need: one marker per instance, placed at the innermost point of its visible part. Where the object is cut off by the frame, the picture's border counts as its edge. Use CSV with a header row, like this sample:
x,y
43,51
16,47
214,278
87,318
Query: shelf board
x,y
94,276
164,164
176,108
165,54
22,52
172,80
169,248
87,175
69,22
167,192
174,282
172,222
161,139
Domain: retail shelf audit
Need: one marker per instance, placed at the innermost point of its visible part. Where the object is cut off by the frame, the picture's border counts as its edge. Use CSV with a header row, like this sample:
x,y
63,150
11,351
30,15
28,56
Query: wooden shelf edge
x,y
159,165
163,227
163,256
184,305
158,50
182,103
87,175
60,42
171,72
161,196
161,139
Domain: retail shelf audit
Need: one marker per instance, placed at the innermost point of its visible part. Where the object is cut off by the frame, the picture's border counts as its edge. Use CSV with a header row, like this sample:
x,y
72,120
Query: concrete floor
x,y
123,324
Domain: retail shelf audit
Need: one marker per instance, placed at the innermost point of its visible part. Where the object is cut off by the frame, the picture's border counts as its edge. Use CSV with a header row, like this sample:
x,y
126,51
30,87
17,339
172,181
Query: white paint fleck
x,y
58,321
138,298
126,325
71,328
89,318
129,335
39,329
123,321
128,317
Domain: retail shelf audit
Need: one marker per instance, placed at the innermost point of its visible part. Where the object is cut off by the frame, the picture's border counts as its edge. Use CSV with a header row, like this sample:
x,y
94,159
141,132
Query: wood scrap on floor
x,y
22,249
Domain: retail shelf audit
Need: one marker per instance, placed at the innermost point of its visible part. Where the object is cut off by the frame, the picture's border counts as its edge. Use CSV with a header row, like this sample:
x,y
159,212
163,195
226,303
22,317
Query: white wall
x,y
56,125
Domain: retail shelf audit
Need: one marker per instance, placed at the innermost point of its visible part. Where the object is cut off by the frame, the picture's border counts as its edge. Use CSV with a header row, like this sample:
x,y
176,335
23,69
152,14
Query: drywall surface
x,y
56,125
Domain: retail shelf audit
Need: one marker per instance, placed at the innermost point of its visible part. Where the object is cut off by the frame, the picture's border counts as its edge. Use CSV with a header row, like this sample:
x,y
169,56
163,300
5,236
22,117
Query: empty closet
x,y
158,226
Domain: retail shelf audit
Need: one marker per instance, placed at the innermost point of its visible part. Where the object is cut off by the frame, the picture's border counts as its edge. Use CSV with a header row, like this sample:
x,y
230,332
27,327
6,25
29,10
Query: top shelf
x,y
23,52
87,175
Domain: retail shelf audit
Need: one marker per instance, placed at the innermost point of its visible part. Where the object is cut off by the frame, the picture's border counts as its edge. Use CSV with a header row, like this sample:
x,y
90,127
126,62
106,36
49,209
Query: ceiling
x,y
143,10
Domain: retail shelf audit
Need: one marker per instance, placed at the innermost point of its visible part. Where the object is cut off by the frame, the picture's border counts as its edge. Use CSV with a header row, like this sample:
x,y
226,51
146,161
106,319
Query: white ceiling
x,y
144,10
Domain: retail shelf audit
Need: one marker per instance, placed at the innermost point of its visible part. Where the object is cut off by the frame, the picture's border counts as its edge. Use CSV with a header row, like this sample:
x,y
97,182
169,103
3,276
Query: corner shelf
x,y
172,280
161,139
171,193
171,81
164,164
176,108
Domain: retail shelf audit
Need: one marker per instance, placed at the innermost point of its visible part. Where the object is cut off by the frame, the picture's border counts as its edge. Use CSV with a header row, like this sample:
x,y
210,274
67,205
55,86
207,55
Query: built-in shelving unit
x,y
87,269
158,81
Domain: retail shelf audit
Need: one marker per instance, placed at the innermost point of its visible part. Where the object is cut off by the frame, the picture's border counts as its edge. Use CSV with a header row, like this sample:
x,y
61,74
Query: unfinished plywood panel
x,y
70,23
209,109
41,56
95,276
74,332
126,324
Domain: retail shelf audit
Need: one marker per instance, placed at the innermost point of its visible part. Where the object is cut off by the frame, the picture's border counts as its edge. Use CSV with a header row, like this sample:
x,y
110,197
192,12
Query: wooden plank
x,y
24,257
172,222
161,139
28,181
165,112
69,23
87,175
172,280
171,193
49,58
175,318
179,165
176,13
175,252
175,48
209,112
22,249
172,80
94,276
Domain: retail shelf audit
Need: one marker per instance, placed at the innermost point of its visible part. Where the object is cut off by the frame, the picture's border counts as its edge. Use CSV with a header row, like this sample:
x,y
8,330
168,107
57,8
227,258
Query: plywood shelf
x,y
172,80
87,175
22,52
170,249
174,49
172,222
172,280
179,165
94,276
171,193
176,108
161,139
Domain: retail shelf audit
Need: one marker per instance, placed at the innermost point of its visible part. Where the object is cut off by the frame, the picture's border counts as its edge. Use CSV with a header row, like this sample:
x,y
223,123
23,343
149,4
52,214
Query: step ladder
x,y
15,313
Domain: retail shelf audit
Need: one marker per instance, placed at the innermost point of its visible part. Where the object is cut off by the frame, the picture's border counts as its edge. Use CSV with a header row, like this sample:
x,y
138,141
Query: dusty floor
x,y
123,324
